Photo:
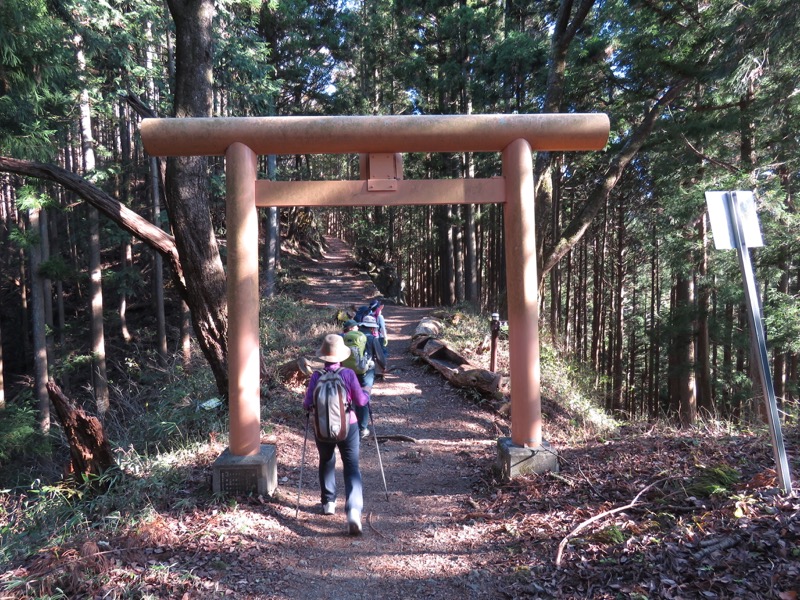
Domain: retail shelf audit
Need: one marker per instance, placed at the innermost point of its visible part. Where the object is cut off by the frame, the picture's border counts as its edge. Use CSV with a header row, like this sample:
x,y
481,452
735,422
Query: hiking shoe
x,y
329,508
354,522
365,433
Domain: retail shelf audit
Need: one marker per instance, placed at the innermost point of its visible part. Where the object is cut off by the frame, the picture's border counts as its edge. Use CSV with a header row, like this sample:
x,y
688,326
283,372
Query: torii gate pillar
x,y
524,451
249,465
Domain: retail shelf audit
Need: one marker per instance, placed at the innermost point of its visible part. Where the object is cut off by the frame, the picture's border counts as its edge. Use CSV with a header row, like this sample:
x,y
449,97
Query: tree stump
x,y
90,452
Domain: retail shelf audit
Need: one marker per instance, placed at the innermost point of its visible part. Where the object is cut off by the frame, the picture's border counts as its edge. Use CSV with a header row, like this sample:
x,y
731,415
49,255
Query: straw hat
x,y
370,322
333,349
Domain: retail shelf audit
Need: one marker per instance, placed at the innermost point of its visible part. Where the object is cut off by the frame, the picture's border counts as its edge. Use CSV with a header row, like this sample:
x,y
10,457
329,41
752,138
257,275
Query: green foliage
x,y
611,534
712,481
57,268
289,329
37,78
24,239
19,432
573,387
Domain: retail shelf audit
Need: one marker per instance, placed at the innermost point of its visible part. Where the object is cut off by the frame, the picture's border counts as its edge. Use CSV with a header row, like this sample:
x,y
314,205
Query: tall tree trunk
x,y
187,186
598,299
2,367
655,342
682,367
61,325
126,262
272,237
727,358
23,301
158,266
458,257
47,284
447,272
705,401
155,202
470,251
99,373
40,367
778,353
123,147
618,338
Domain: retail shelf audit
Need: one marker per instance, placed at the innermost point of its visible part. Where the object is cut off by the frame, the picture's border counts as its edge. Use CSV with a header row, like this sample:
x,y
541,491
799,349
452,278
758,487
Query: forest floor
x,y
677,514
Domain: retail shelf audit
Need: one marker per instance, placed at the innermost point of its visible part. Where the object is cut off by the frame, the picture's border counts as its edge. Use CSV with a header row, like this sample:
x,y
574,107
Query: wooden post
x,y
523,296
495,330
243,302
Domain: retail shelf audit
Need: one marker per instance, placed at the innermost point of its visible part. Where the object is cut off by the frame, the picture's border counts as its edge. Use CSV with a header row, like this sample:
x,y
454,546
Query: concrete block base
x,y
513,460
239,475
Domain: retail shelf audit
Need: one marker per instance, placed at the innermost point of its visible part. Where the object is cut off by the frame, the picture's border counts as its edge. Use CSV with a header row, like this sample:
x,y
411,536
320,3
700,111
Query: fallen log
x,y
430,327
299,369
454,367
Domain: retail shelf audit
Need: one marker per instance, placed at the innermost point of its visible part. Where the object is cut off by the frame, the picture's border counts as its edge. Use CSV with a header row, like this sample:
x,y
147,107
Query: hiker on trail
x,y
332,352
374,350
375,309
349,325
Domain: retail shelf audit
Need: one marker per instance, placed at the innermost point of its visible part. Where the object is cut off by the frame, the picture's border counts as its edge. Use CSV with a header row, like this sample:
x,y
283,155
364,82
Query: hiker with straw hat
x,y
332,352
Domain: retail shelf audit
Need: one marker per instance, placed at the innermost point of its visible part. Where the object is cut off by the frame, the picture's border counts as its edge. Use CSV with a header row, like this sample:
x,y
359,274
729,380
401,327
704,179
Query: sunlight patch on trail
x,y
402,388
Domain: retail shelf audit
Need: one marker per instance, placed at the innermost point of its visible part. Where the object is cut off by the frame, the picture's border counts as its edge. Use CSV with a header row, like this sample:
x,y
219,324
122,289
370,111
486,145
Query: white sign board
x,y
723,223
734,224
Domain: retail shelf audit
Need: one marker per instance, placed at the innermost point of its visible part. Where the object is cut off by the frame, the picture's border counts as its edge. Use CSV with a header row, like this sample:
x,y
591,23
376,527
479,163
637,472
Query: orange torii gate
x,y
246,464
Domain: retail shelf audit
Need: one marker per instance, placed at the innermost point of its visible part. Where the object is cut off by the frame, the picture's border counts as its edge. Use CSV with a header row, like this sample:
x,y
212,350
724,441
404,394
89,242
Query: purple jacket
x,y
354,393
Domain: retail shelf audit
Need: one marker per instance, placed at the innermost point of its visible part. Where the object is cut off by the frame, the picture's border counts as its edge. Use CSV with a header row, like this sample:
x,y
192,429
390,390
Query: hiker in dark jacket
x,y
375,309
333,351
369,327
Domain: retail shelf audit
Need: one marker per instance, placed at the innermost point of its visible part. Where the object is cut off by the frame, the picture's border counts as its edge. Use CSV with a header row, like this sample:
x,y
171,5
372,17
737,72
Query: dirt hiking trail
x,y
421,542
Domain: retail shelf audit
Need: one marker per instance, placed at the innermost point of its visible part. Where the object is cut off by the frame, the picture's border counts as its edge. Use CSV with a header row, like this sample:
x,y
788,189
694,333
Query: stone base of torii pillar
x,y
514,461
236,475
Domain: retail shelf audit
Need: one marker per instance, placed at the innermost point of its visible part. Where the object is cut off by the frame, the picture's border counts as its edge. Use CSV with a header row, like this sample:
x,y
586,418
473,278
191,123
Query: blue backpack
x,y
362,312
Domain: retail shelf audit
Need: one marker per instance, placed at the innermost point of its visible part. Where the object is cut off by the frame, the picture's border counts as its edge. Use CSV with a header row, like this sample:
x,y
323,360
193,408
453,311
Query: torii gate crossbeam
x,y
242,139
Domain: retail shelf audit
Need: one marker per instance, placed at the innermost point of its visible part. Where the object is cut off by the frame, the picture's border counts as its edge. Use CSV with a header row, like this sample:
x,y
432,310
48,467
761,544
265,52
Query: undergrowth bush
x,y
563,381
19,430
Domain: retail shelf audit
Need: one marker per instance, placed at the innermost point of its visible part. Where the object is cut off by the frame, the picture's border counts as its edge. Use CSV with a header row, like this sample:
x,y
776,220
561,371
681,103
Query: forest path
x,y
421,541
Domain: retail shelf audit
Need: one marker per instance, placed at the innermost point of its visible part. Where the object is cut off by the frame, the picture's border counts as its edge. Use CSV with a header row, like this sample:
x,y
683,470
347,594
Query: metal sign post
x,y
734,224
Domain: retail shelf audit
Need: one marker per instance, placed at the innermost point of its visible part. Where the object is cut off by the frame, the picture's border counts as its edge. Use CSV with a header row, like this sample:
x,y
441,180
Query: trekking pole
x,y
377,447
302,462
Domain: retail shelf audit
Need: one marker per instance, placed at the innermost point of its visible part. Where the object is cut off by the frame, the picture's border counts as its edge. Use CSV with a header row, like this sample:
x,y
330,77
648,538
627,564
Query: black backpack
x,y
331,407
362,312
